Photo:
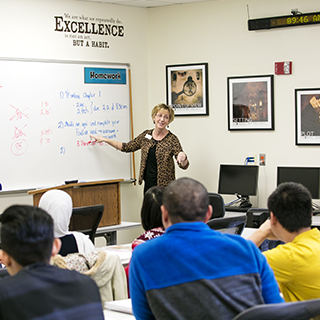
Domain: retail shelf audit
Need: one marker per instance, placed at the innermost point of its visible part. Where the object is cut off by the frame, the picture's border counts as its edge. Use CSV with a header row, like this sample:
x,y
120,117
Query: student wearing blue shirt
x,y
192,271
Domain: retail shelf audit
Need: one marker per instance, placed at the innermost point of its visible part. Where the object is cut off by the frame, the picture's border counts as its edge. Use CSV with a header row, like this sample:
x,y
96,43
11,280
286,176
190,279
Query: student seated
x,y
192,271
35,289
296,263
58,204
151,218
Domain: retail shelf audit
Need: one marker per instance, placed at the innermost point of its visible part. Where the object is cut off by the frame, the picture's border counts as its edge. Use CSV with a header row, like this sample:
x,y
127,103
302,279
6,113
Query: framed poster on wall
x,y
250,103
307,103
187,89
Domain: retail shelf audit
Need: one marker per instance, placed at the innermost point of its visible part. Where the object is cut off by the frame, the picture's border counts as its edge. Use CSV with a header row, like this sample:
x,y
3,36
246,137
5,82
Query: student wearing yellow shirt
x,y
296,263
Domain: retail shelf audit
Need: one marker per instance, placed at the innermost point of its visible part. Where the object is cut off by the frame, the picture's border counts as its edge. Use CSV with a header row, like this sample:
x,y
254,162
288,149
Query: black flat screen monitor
x,y
307,176
231,225
238,180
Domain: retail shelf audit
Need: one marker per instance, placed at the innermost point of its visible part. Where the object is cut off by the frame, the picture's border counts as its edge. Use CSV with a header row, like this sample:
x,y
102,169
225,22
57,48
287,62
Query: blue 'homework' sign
x,y
105,75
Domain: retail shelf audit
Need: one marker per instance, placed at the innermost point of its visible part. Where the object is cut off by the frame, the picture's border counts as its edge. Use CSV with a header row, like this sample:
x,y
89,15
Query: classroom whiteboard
x,y
48,109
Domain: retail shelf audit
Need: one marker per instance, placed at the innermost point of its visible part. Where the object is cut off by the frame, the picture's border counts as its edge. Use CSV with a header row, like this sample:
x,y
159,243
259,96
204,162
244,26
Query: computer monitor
x,y
307,176
239,180
230,225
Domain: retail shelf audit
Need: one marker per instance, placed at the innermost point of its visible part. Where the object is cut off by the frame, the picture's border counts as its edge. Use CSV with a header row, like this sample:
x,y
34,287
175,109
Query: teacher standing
x,y
158,147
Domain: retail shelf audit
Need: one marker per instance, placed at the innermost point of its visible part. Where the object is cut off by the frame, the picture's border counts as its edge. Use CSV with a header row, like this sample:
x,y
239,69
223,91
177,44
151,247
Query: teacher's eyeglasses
x,y
165,117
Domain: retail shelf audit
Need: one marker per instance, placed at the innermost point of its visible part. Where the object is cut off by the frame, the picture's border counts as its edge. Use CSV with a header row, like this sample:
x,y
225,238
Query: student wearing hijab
x,y
58,204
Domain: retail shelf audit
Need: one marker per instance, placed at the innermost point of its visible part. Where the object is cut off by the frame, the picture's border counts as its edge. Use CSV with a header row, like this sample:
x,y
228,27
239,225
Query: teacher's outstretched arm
x,y
116,144
158,146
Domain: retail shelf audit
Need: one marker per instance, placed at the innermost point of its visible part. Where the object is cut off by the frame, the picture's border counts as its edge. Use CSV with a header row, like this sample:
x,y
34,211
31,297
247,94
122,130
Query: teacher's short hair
x,y
160,106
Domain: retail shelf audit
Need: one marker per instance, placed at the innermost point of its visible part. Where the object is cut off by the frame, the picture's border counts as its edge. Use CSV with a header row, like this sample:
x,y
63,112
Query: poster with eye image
x,y
187,89
250,103
307,103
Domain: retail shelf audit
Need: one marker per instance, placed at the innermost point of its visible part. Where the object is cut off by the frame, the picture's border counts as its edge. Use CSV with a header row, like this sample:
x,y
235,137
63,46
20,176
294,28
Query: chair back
x,y
299,310
86,219
230,225
217,204
256,217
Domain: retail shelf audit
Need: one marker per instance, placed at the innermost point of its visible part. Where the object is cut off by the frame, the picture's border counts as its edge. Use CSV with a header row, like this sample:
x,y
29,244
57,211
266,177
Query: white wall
x,y
214,32
27,31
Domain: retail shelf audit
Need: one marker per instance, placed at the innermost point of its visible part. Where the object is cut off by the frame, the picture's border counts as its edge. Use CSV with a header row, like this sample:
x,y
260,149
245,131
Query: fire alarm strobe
x,y
283,67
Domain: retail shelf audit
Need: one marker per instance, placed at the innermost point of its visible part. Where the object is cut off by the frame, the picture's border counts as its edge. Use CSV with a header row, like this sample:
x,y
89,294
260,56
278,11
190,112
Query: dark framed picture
x,y
250,103
307,116
187,89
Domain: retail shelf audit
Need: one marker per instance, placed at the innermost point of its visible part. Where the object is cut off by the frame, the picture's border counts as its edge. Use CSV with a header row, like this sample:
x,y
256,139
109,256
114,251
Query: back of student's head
x,y
186,200
291,203
58,204
151,208
27,234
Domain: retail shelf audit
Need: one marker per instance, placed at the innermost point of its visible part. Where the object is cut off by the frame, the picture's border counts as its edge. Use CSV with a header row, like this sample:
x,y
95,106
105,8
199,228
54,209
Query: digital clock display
x,y
284,21
295,20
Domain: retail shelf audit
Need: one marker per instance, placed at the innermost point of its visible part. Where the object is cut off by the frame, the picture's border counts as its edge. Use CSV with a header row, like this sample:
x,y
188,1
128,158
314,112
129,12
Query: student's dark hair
x,y
27,234
151,216
186,200
291,203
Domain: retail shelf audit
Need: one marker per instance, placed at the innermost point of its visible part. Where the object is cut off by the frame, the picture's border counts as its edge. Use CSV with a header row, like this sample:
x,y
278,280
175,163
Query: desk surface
x,y
316,221
234,214
124,306
247,232
123,251
114,315
116,227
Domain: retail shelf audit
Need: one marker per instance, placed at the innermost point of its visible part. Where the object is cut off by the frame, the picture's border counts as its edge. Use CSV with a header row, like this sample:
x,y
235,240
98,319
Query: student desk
x,y
123,251
234,214
115,315
123,306
315,219
247,232
110,232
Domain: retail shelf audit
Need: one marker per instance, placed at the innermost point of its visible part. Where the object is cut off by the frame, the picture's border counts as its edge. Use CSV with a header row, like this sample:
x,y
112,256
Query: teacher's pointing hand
x,y
97,138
